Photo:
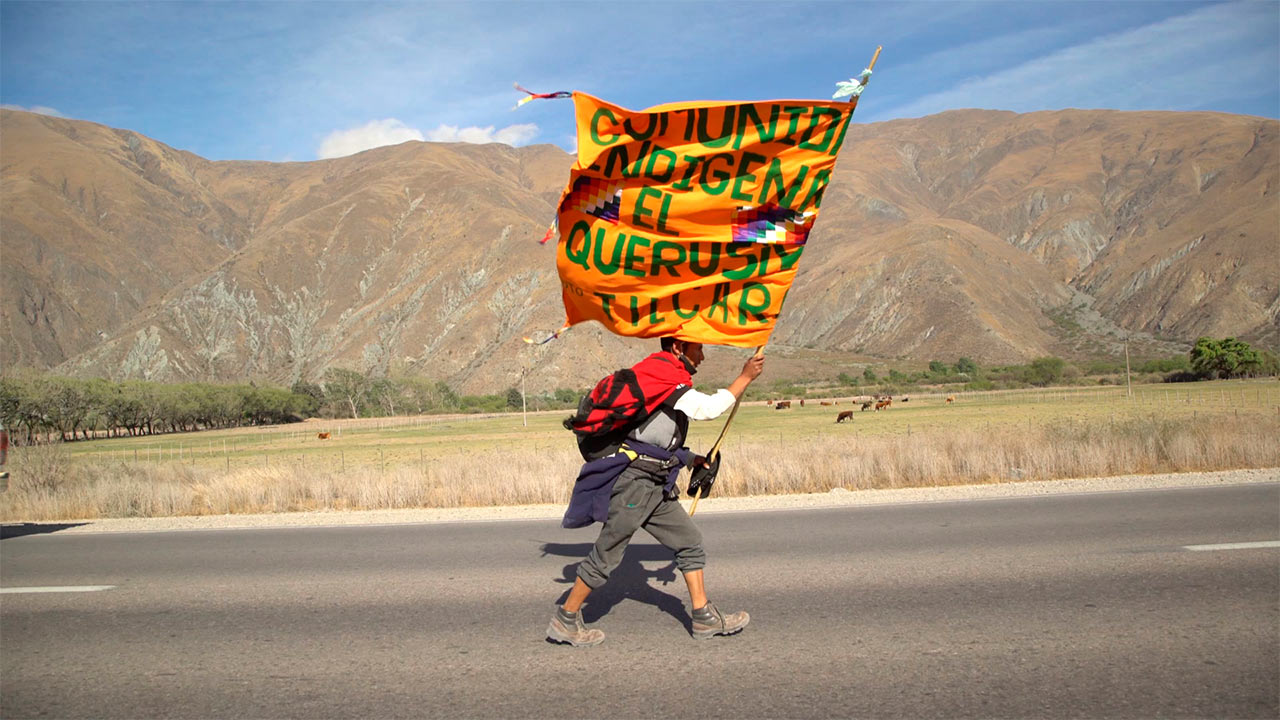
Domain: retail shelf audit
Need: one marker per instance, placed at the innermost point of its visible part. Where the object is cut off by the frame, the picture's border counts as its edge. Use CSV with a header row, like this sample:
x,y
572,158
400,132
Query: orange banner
x,y
688,219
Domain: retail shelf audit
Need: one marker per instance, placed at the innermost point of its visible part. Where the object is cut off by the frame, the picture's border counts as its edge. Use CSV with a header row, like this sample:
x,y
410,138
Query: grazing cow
x,y
801,402
844,415
906,399
823,402
883,404
866,406
951,399
769,401
323,436
782,405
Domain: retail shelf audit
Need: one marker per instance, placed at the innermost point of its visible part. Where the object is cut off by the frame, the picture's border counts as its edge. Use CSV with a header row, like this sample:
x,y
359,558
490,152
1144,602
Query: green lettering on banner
x,y
675,307
746,307
640,211
595,125
635,311
695,250
662,217
630,126
634,242
747,114
746,270
820,180
659,263
617,153
634,170
579,258
611,267
688,124
665,154
764,259
844,127
814,122
793,122
773,178
605,298
789,259
743,175
726,129
654,317
721,176
720,299
685,181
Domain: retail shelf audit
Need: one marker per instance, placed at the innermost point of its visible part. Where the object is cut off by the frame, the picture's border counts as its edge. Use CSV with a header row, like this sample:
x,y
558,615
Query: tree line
x,y
1208,359
36,407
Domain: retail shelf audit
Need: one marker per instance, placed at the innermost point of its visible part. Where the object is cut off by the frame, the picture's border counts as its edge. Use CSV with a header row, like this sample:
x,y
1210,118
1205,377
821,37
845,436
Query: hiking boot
x,y
709,622
572,631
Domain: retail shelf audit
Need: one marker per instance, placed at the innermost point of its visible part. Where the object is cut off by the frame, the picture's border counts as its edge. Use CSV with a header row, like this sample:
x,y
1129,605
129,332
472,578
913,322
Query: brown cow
x,y
769,401
823,402
801,402
323,436
844,415
866,406
883,404
782,405
951,399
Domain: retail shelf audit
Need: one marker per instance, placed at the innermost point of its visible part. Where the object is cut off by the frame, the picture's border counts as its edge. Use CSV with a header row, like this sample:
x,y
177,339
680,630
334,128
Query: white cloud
x,y
510,135
38,109
1210,54
376,133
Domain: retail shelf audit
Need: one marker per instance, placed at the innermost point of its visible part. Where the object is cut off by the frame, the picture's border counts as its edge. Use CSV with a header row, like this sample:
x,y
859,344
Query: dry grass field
x,y
451,461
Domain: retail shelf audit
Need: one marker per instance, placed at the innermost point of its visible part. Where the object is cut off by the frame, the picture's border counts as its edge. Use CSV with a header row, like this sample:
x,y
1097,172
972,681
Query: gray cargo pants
x,y
638,502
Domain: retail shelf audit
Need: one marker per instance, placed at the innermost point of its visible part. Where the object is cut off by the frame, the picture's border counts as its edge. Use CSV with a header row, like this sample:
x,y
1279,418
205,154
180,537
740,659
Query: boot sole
x,y
554,635
708,634
725,633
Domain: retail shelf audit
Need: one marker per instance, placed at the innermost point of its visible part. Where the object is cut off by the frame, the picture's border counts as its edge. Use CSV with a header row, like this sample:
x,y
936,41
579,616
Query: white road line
x,y
1235,546
56,589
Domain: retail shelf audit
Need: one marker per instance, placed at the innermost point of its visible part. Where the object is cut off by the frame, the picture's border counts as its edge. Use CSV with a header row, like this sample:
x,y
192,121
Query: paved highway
x,y
1061,606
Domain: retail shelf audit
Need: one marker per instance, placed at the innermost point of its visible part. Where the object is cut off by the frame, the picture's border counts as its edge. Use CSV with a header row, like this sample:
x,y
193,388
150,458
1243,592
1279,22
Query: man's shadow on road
x,y
629,581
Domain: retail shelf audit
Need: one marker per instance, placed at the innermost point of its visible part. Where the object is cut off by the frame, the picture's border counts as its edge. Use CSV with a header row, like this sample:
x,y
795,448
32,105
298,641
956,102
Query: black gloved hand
x,y
704,476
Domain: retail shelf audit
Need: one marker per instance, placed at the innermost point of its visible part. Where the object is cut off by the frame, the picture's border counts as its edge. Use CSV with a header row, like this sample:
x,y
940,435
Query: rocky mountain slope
x,y
989,234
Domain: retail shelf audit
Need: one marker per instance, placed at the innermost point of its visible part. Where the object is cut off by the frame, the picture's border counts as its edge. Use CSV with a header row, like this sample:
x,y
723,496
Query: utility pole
x,y
524,408
1127,381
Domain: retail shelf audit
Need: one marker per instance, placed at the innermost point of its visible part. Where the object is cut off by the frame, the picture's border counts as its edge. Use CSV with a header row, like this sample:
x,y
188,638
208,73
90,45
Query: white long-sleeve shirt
x,y
701,406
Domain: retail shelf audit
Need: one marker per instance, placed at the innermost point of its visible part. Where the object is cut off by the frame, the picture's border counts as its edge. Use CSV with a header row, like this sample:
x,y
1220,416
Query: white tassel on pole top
x,y
851,89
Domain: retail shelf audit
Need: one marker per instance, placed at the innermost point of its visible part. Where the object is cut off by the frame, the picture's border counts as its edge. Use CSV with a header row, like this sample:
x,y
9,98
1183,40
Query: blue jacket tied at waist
x,y
591,491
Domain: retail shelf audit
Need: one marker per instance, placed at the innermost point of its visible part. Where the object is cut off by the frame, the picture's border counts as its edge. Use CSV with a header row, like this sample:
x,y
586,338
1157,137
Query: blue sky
x,y
295,81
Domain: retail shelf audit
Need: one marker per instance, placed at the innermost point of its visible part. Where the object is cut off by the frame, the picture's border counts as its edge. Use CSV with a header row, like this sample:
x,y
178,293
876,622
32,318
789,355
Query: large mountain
x,y
989,234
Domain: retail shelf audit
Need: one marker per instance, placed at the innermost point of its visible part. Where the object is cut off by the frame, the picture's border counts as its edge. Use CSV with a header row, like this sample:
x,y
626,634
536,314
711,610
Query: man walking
x,y
644,495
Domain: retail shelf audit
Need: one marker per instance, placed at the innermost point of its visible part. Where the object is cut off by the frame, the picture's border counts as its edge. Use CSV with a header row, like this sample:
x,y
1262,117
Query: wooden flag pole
x,y
760,350
711,453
